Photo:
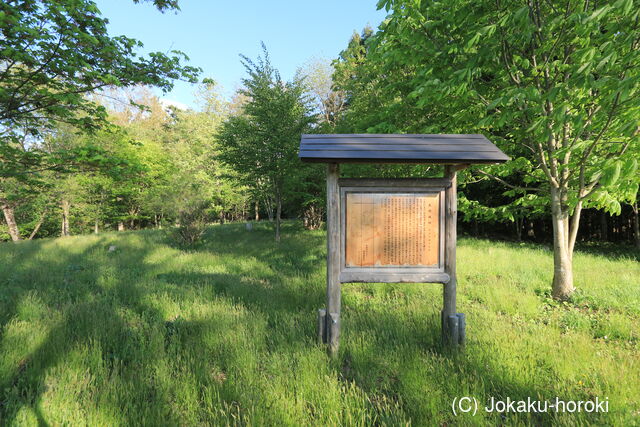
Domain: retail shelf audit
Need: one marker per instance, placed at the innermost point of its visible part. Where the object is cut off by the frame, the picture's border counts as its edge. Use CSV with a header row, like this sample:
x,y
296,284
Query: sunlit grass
x,y
224,334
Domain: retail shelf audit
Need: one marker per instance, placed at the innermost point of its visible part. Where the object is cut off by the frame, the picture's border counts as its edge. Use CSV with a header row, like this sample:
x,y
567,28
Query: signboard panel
x,y
392,229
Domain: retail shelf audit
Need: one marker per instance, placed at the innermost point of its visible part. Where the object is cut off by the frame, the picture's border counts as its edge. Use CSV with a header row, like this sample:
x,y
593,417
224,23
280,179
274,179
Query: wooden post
x,y
322,326
333,258
453,329
462,332
449,294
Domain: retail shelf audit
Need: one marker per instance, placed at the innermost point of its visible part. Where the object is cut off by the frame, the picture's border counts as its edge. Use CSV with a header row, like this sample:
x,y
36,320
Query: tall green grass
x,y
224,334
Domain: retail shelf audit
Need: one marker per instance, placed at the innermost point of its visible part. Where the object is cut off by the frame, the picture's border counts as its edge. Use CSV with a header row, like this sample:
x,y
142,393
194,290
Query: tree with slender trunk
x,y
65,207
10,219
52,55
43,215
557,82
261,143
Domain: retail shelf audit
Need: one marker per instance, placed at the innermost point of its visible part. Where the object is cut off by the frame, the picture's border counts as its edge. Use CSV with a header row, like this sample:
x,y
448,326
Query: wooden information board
x,y
392,229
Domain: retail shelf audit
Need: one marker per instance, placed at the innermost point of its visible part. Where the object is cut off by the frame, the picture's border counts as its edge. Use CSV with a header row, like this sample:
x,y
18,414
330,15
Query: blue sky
x,y
213,33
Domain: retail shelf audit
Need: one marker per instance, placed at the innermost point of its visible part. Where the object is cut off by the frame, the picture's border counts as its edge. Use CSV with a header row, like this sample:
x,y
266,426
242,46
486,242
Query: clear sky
x,y
214,32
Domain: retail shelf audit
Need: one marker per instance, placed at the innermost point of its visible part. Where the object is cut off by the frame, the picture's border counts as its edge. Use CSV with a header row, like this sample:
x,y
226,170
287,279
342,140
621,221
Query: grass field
x,y
225,334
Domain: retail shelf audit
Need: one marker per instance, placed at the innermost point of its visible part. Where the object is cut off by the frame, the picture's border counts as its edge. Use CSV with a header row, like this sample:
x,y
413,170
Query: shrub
x,y
192,222
312,216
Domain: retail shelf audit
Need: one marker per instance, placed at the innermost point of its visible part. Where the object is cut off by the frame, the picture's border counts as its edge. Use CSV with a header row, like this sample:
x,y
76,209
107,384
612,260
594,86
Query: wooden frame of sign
x,y
396,230
403,231
392,230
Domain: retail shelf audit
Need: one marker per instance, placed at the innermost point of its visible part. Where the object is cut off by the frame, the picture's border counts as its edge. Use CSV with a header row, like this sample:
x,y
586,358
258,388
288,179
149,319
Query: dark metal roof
x,y
395,148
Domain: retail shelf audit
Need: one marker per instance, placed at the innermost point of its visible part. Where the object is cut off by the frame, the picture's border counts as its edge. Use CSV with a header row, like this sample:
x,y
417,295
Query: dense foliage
x,y
85,146
261,143
556,86
53,56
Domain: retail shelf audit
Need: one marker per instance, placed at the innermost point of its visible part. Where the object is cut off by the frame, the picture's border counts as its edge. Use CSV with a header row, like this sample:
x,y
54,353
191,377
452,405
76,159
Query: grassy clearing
x,y
152,334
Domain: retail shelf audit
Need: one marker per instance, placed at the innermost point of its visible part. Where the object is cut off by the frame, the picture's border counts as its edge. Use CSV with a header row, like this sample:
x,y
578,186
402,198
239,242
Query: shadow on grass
x,y
265,277
389,333
92,320
71,283
614,251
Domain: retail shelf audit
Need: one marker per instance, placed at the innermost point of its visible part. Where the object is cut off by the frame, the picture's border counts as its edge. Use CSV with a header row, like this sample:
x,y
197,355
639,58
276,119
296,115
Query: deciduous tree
x,y
262,142
52,55
559,81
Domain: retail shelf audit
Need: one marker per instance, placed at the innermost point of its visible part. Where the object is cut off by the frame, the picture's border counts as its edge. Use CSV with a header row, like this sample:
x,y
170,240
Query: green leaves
x,y
54,53
521,14
553,84
599,13
261,142
386,4
611,174
585,58
473,40
630,167
162,5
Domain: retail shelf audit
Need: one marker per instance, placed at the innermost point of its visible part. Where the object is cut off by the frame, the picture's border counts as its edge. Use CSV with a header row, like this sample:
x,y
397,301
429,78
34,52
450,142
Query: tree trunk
x,y
269,207
604,235
66,208
257,211
518,224
133,212
38,225
636,225
96,226
278,213
531,231
120,226
10,218
562,263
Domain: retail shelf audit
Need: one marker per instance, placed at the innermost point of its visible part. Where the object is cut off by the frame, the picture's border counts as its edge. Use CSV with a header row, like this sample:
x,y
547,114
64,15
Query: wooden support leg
x,y
462,326
333,328
322,326
449,289
333,258
449,336
453,330
449,309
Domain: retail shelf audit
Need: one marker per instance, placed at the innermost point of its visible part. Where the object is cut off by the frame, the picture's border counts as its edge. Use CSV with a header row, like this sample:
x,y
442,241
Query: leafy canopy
x,y
54,53
557,85
262,142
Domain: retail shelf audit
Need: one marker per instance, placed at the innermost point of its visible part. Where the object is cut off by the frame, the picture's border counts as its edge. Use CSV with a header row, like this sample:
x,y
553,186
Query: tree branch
x,y
502,181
